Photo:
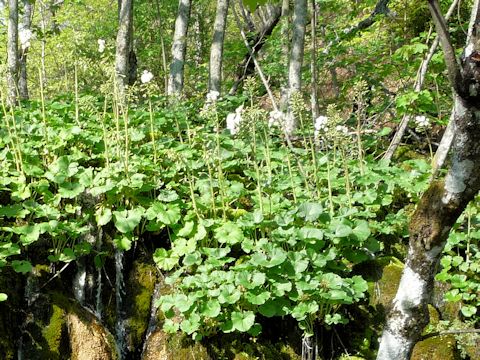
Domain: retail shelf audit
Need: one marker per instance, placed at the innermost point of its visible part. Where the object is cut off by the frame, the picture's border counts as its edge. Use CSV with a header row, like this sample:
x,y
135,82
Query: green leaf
x,y
127,220
21,266
70,190
362,230
3,297
468,310
310,211
243,320
211,308
229,233
164,259
103,216
342,231
123,242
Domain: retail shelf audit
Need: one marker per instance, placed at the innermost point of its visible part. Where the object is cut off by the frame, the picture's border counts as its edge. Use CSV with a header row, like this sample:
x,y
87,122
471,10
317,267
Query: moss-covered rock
x,y
383,290
140,287
436,348
161,345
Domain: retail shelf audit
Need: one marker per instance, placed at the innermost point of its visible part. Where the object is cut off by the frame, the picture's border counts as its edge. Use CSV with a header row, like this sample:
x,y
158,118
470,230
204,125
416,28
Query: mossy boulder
x,y
43,330
140,286
161,345
383,290
243,347
436,348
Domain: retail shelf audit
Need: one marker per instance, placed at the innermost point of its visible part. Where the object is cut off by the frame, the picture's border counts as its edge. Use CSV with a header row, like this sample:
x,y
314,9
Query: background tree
x,y
12,52
216,51
25,35
296,59
179,49
125,57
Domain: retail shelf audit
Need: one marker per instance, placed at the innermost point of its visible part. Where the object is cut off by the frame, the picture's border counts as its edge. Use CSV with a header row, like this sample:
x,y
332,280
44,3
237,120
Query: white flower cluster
x,y
234,120
24,36
276,118
343,130
146,77
101,45
212,96
421,122
321,125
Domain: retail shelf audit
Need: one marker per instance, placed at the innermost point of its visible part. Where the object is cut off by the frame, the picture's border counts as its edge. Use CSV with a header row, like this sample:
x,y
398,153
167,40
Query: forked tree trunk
x,y
256,41
25,27
179,49
12,52
442,203
123,56
216,51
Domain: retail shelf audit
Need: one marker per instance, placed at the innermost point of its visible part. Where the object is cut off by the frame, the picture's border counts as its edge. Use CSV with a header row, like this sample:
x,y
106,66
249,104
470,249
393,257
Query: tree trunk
x,y
442,203
179,49
296,58
123,56
216,51
247,67
25,27
12,52
313,63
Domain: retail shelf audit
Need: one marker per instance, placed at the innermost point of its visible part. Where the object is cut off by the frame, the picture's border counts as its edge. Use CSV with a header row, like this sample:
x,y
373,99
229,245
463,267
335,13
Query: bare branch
x,y
453,67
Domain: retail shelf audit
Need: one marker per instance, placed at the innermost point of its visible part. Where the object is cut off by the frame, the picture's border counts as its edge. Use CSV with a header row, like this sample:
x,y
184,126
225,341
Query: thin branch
x,y
454,73
420,80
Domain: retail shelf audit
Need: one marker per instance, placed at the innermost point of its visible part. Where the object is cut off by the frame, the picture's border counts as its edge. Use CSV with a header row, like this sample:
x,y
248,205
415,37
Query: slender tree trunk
x,y
442,203
313,63
162,45
179,49
197,34
12,52
123,57
216,51
296,58
285,28
25,27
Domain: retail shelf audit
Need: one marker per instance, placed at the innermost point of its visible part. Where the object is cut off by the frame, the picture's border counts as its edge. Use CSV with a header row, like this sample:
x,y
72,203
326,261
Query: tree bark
x,y
25,26
12,52
179,49
216,51
246,68
123,55
296,59
441,204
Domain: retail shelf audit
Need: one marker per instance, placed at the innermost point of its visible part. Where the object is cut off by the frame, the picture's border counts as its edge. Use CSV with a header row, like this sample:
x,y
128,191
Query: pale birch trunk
x,y
179,49
442,203
12,52
25,27
216,51
124,45
296,59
